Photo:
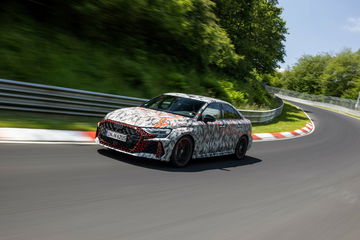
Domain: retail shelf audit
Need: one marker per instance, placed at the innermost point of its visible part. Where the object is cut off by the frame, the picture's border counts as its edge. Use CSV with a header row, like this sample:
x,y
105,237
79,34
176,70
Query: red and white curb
x,y
21,135
308,129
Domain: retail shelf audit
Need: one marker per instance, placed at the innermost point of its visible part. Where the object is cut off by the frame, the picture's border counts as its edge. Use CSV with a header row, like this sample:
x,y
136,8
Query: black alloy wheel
x,y
182,152
241,148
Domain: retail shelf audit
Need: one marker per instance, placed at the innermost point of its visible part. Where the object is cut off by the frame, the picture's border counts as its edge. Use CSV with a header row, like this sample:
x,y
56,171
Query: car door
x,y
231,121
212,132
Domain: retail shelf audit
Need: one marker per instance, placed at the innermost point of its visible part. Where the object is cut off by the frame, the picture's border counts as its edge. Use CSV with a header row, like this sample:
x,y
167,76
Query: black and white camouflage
x,y
210,139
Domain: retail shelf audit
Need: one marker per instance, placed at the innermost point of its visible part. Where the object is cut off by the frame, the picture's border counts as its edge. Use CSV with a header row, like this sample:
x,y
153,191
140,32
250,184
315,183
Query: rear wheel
x,y
182,152
241,148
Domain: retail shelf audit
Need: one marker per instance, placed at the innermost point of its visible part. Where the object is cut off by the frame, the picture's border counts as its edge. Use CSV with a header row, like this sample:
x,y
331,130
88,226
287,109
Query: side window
x,y
214,109
230,112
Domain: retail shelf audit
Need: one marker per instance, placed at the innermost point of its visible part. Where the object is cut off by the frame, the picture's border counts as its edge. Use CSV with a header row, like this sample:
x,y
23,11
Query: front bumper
x,y
139,143
136,154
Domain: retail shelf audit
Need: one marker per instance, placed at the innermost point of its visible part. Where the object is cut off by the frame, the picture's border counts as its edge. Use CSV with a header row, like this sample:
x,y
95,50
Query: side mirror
x,y
208,118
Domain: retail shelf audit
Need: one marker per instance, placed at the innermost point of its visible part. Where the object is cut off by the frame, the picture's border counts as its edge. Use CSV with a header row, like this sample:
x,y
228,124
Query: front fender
x,y
172,139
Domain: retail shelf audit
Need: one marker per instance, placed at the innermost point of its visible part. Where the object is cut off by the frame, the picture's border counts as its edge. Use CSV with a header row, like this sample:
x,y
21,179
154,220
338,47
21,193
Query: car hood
x,y
144,117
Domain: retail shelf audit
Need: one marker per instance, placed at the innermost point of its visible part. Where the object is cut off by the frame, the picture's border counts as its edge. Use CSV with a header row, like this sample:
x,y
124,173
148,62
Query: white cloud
x,y
354,24
280,69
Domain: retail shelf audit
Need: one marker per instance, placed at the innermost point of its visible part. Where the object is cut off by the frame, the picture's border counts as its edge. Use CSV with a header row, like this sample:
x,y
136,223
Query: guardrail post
x,y
357,102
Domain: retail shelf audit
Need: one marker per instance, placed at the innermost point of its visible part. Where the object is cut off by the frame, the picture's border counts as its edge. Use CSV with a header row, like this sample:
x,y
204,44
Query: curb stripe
x,y
278,135
307,129
304,130
255,137
295,133
90,134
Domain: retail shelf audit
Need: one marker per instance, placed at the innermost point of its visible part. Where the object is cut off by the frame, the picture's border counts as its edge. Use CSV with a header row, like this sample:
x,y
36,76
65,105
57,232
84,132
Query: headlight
x,y
159,132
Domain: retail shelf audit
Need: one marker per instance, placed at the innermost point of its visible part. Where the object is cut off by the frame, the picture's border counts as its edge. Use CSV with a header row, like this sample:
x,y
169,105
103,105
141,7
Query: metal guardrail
x,y
24,96
262,116
33,97
341,104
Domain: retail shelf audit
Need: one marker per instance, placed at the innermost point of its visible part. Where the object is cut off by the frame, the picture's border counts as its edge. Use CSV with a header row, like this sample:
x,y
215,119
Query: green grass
x,y
291,119
47,121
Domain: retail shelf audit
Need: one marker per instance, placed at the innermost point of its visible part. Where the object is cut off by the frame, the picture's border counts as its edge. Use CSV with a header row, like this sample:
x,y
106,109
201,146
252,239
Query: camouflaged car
x,y
177,127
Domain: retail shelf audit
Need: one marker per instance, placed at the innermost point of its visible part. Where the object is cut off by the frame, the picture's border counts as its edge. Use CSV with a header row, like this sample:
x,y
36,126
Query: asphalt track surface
x,y
304,188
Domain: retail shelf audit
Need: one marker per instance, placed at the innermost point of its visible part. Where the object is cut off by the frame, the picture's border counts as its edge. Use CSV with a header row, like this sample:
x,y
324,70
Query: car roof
x,y
196,97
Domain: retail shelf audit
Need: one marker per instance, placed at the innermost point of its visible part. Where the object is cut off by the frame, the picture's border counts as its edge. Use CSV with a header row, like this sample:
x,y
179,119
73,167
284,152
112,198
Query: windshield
x,y
176,105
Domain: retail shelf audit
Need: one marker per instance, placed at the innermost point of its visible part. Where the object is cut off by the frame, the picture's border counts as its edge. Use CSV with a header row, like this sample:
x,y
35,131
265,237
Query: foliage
x,y
323,74
273,79
237,97
256,30
185,27
341,77
306,74
142,47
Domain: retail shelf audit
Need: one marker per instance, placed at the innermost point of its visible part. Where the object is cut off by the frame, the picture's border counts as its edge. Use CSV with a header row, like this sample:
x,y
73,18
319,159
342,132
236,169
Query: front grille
x,y
133,136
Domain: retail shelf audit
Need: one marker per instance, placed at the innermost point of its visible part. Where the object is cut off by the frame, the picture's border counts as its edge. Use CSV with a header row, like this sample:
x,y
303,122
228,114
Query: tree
x,y
306,73
257,31
323,74
187,29
341,76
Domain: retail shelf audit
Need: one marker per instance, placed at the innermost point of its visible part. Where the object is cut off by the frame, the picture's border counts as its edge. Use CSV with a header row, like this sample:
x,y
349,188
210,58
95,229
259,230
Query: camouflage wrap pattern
x,y
210,139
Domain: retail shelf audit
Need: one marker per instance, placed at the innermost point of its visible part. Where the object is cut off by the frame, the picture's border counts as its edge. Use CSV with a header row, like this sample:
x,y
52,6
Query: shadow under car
x,y
196,165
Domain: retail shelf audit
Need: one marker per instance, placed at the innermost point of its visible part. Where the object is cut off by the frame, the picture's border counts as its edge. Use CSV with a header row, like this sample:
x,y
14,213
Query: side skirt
x,y
216,154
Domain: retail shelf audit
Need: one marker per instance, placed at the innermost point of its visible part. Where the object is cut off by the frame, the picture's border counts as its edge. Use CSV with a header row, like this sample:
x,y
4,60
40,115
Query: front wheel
x,y
182,152
241,148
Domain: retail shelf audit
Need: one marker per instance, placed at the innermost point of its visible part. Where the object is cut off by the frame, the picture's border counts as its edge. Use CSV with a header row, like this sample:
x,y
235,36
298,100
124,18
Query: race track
x,y
303,188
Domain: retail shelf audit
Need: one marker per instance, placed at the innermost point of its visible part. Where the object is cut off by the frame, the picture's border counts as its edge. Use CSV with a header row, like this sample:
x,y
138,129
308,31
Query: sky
x,y
318,26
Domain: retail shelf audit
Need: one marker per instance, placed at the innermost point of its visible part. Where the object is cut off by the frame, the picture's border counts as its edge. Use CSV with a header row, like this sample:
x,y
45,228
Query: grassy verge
x,y
291,119
47,121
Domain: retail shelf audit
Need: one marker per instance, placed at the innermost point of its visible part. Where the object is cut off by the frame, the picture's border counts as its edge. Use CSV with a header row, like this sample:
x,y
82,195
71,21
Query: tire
x,y
241,148
182,152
